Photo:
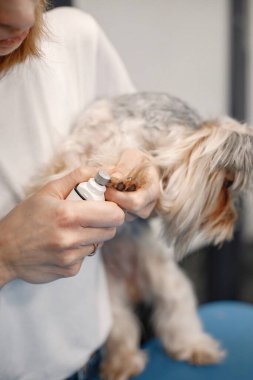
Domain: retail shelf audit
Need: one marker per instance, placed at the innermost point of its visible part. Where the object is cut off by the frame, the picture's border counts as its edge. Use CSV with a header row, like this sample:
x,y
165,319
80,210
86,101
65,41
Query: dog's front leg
x,y
176,321
123,358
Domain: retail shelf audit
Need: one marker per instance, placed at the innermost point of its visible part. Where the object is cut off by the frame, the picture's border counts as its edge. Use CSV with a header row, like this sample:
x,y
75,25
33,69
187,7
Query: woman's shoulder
x,y
71,22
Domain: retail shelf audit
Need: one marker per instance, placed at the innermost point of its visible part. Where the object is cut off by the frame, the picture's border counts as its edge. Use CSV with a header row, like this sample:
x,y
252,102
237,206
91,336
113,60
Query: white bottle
x,y
93,189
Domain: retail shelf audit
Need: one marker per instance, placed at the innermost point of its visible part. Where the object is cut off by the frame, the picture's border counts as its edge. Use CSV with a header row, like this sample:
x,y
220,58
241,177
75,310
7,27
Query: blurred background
x,y
201,51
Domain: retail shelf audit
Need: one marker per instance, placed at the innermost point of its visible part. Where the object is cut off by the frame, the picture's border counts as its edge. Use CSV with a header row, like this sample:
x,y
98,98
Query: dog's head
x,y
203,172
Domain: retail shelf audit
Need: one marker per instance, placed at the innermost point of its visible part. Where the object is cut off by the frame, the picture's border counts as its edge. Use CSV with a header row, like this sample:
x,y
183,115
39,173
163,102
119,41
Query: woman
x,y
48,331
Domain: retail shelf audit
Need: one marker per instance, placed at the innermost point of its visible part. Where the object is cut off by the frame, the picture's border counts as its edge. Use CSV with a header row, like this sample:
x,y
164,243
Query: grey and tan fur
x,y
203,166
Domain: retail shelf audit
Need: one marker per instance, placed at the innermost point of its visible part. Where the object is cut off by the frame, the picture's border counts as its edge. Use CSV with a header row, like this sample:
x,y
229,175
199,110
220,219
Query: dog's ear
x,y
232,150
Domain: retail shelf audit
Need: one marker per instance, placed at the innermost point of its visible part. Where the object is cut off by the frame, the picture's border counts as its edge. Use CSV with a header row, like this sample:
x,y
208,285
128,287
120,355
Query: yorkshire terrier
x,y
203,166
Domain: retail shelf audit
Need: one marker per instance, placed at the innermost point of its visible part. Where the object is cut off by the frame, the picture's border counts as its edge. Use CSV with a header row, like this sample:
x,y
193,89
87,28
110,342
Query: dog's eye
x,y
228,183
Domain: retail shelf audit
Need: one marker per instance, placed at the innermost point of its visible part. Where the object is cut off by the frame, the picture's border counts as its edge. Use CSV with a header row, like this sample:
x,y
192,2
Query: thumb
x,y
129,162
61,187
130,173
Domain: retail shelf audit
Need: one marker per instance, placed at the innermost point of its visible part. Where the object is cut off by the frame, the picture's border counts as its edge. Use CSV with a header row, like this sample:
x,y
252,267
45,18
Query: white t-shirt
x,y
48,331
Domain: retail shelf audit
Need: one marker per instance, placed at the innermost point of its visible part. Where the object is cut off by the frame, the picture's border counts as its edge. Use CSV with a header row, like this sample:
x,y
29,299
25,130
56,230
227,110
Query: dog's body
x,y
201,165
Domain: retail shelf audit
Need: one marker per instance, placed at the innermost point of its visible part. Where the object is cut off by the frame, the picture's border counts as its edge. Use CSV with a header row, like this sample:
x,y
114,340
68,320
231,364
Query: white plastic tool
x,y
93,189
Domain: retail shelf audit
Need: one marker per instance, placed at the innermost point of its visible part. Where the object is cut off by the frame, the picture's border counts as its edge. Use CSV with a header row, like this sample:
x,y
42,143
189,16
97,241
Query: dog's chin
x,y
210,233
222,231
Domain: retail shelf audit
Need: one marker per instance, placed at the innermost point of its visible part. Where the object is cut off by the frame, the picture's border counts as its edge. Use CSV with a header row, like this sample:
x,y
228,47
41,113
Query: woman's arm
x,y
47,237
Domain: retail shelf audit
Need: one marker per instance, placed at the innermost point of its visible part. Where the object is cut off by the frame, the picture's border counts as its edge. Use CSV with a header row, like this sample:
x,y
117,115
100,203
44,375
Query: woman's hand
x,y
142,201
47,237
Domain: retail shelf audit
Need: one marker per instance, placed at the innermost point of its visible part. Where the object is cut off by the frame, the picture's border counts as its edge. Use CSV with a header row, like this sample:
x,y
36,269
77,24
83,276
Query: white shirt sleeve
x,y
112,77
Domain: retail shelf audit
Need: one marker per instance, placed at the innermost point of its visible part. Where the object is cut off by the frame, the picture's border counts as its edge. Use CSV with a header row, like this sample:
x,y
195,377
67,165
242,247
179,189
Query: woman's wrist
x,y
6,275
6,272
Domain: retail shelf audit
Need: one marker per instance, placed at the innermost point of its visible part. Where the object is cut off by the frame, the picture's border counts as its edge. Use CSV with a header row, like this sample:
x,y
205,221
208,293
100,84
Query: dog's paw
x,y
206,351
200,351
123,366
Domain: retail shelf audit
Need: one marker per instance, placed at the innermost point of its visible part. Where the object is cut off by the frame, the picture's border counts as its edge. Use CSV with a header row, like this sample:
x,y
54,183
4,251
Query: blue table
x,y
232,324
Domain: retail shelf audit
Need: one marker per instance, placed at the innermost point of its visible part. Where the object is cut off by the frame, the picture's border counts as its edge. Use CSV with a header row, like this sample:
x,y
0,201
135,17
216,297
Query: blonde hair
x,y
30,46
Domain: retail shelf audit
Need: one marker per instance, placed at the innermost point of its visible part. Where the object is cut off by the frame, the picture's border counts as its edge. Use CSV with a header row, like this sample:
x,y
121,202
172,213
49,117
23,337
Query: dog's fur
x,y
203,166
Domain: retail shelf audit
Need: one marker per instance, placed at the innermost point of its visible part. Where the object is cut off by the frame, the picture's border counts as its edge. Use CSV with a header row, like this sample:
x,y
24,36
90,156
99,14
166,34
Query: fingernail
x,y
117,175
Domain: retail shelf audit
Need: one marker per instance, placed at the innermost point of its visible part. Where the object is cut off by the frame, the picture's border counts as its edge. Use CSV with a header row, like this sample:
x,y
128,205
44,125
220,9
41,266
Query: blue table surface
x,y
229,322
